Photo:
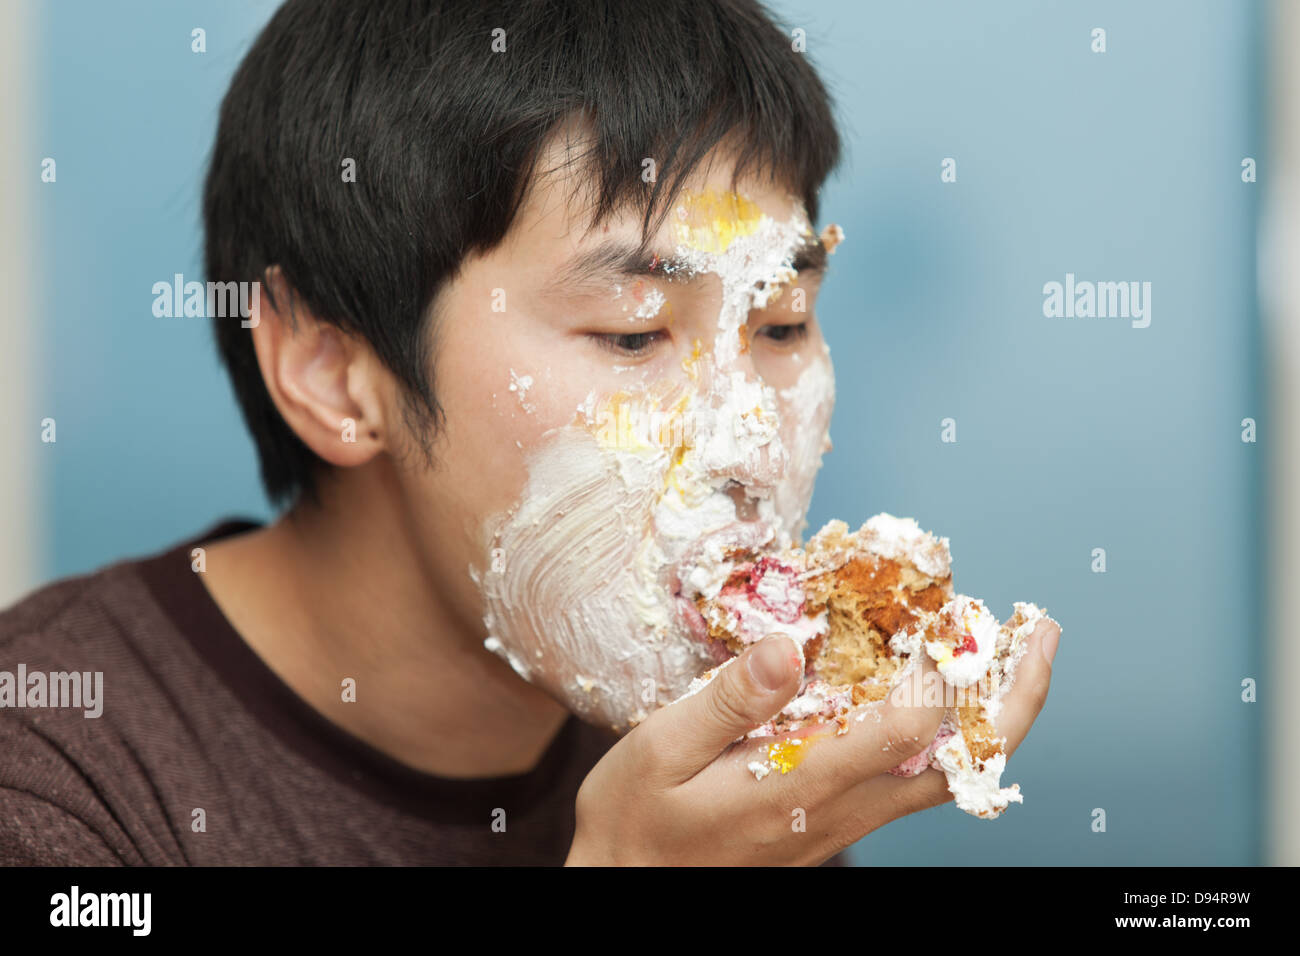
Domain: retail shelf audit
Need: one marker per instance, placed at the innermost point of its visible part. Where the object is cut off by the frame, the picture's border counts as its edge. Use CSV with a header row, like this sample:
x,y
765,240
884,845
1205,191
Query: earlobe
x,y
320,379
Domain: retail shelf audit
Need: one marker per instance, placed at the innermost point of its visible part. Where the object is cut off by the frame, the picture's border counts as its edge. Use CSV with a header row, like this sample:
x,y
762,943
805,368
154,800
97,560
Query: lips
x,y
691,621
707,559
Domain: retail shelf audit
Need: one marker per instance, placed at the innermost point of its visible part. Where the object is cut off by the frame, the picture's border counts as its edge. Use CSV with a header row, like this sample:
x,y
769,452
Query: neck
x,y
339,591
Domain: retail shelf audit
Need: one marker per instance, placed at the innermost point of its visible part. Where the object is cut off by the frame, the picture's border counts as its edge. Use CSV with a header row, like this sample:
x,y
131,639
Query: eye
x,y
785,333
630,344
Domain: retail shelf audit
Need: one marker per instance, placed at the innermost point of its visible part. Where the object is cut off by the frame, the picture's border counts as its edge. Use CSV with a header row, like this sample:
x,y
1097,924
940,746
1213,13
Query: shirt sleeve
x,y
35,832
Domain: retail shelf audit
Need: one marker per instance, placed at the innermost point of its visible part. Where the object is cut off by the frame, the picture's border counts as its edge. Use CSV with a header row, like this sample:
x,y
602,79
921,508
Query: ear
x,y
327,385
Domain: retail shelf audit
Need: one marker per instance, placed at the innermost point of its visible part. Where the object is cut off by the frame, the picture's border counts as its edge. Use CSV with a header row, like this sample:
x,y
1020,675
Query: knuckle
x,y
646,754
901,744
727,705
1041,688
910,730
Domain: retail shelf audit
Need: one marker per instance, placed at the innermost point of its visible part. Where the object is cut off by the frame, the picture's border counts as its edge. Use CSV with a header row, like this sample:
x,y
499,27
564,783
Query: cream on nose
x,y
737,432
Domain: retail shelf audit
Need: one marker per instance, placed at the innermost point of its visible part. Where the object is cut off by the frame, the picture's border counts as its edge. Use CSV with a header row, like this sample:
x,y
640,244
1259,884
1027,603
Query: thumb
x,y
745,692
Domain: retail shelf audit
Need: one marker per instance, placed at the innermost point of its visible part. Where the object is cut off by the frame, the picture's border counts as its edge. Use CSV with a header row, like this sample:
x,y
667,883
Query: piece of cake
x,y
864,606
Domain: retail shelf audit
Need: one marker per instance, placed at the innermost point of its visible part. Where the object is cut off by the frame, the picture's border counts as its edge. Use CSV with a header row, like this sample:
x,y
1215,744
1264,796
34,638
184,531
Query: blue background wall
x,y
1073,434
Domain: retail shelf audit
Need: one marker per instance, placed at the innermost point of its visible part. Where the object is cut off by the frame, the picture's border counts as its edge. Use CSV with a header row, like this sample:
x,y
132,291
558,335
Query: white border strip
x,y
1279,267
20,553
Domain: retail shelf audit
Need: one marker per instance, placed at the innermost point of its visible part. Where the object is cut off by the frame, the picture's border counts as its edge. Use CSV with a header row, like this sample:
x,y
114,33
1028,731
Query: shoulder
x,y
72,789
64,617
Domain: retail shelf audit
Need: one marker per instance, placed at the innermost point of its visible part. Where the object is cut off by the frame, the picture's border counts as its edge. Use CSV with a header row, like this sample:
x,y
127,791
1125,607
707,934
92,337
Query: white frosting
x,y
814,395
986,671
756,623
908,643
816,697
901,539
567,585
975,788
704,680
775,607
962,669
516,662
654,301
1010,656
615,515
520,384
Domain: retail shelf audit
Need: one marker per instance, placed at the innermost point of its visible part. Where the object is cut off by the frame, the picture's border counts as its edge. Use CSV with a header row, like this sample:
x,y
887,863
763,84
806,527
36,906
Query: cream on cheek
x,y
626,513
805,431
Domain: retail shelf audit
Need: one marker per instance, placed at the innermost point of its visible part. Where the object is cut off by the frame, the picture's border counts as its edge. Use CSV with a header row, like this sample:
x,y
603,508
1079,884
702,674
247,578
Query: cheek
x,y
501,391
516,388
566,602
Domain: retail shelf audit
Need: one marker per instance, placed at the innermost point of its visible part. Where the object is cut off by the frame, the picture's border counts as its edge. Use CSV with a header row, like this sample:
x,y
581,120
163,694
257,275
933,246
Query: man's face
x,y
614,424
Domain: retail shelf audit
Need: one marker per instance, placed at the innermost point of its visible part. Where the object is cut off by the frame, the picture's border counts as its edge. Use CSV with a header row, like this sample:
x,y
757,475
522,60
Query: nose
x,y
738,434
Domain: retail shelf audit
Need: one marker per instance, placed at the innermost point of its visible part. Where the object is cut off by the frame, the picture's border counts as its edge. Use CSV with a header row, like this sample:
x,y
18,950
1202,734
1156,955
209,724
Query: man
x,y
493,242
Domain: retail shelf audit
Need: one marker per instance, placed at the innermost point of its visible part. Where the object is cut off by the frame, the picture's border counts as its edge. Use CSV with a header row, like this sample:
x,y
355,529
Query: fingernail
x,y
773,660
1050,640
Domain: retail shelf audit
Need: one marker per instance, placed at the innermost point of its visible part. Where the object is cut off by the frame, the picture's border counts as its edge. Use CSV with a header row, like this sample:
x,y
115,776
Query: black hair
x,y
445,133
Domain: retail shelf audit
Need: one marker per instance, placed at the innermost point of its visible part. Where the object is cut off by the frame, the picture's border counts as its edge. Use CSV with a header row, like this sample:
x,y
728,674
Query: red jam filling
x,y
788,611
747,581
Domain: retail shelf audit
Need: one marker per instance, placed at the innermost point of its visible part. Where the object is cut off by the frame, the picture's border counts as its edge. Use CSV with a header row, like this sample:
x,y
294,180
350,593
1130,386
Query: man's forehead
x,y
705,220
615,259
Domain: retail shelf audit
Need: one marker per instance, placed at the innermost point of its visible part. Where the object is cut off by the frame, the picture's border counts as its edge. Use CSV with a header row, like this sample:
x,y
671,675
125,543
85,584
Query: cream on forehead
x,y
751,253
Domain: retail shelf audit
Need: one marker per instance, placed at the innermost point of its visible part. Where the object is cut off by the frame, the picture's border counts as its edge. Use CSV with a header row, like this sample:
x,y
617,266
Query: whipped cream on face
x,y
562,599
582,591
806,435
654,301
520,384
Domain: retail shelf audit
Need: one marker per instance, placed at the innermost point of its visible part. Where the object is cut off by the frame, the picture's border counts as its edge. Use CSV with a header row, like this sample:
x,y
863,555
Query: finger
x,y
1032,679
879,736
884,798
888,797
745,692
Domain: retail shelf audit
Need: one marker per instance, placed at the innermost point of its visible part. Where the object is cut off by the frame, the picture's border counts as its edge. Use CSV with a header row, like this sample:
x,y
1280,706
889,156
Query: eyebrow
x,y
623,259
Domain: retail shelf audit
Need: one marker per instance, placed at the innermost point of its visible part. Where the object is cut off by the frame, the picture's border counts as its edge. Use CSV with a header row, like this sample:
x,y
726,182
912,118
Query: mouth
x,y
703,570
707,563
692,622
690,618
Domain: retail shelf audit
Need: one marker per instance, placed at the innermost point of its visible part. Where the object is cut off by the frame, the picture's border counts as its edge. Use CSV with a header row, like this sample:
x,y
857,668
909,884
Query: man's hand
x,y
677,791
